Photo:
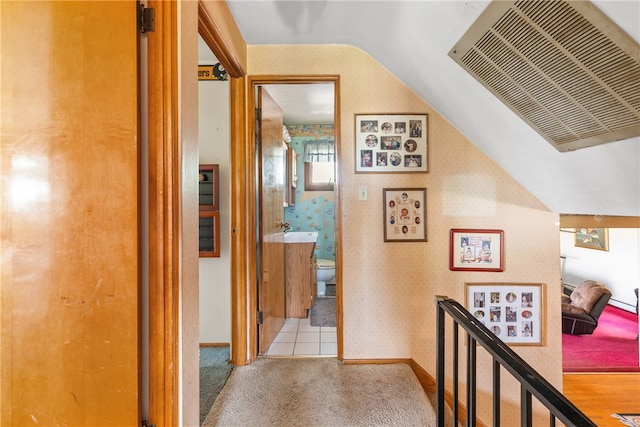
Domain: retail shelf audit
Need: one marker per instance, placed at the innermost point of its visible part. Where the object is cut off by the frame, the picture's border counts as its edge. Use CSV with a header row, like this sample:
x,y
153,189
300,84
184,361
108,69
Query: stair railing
x,y
531,382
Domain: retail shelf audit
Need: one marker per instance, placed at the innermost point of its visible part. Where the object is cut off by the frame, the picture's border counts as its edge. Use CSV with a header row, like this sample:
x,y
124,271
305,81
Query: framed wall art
x,y
514,312
391,143
592,238
476,250
405,214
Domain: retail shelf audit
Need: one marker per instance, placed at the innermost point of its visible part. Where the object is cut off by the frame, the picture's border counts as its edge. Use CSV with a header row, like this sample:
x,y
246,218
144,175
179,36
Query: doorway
x,y
309,110
214,326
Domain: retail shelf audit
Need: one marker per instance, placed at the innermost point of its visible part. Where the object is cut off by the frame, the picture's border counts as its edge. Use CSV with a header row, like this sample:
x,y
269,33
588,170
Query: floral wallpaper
x,y
313,210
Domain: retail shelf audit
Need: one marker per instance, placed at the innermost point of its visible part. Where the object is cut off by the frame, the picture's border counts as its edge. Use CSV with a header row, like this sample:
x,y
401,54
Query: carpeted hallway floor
x,y
214,371
321,392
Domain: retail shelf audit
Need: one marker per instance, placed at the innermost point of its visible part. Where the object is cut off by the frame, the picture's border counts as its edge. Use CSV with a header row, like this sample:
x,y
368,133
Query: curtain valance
x,y
318,151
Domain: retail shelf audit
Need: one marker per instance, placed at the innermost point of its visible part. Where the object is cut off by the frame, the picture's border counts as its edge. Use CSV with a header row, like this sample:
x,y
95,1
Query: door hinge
x,y
145,423
146,19
260,318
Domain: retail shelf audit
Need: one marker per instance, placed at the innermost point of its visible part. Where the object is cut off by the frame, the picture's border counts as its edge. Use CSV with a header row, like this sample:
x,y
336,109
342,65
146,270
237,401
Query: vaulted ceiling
x,y
412,40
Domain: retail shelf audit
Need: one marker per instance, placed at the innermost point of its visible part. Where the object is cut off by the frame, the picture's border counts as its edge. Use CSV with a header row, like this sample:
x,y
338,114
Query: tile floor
x,y
298,338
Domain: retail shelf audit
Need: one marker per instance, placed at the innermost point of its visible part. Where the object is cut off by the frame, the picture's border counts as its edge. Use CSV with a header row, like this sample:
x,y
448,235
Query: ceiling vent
x,y
563,67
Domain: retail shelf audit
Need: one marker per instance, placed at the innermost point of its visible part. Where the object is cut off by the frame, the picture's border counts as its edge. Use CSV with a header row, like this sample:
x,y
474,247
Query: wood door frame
x,y
252,291
165,199
164,226
243,175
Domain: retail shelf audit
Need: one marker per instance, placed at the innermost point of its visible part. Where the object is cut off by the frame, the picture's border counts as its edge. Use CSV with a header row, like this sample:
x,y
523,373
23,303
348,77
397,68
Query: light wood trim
x,y
426,380
290,79
338,218
222,36
214,344
599,221
164,235
164,191
243,220
376,361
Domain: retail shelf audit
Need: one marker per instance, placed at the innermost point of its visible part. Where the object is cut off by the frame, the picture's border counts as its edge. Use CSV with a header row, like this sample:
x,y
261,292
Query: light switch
x,y
362,192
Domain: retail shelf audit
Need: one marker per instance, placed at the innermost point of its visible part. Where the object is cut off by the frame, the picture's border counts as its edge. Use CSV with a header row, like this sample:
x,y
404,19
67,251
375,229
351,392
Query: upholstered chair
x,y
582,308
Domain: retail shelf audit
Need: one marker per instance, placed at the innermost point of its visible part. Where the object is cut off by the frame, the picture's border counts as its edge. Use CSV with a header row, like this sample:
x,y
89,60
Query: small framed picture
x,y
592,238
391,143
514,312
476,250
405,214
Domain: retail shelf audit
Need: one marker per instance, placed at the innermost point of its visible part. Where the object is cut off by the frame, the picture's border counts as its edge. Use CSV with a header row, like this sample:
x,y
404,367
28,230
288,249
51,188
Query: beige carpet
x,y
321,392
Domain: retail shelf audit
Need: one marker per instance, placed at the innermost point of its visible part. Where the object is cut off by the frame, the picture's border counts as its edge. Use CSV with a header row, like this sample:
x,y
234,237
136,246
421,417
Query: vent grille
x,y
564,68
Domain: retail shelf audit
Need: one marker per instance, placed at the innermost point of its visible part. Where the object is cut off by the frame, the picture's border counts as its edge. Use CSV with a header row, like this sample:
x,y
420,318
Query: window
x,y
318,166
318,176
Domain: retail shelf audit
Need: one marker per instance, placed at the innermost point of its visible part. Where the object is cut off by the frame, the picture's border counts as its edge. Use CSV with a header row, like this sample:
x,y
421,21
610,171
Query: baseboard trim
x,y
426,380
215,344
374,361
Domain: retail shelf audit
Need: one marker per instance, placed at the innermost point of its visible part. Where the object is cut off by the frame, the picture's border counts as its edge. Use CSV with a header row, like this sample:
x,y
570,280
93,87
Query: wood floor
x,y
599,395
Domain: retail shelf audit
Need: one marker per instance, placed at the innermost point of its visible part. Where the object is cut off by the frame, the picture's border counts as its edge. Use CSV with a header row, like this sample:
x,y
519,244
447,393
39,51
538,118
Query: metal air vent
x,y
563,67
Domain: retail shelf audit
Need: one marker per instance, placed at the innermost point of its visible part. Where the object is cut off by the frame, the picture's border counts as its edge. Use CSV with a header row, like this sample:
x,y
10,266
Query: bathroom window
x,y
319,172
318,176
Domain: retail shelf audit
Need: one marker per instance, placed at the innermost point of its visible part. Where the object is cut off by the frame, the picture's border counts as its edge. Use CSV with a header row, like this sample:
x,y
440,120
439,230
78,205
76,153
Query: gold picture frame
x,y
592,238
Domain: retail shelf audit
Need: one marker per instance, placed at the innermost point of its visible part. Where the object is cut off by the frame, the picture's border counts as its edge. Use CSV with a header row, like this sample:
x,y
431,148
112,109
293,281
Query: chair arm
x,y
576,323
587,318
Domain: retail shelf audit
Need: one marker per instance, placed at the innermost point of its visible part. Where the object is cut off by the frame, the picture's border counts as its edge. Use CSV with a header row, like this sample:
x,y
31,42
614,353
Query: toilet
x,y
325,273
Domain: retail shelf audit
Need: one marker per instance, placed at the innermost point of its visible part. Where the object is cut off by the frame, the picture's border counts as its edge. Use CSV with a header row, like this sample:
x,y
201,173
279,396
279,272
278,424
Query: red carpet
x,y
611,348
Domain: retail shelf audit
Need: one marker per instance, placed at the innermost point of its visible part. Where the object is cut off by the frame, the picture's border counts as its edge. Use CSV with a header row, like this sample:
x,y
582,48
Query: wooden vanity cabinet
x,y
299,278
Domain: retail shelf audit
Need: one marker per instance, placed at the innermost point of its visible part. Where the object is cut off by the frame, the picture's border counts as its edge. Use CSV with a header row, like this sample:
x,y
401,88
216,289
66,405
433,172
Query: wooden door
x,y
69,203
271,286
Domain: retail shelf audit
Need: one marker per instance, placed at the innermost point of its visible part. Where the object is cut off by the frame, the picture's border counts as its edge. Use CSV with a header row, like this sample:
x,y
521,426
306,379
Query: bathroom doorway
x,y
310,115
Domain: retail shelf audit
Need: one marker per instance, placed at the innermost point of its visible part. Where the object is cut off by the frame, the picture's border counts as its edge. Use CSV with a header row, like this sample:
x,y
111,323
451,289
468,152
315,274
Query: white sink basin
x,y
301,237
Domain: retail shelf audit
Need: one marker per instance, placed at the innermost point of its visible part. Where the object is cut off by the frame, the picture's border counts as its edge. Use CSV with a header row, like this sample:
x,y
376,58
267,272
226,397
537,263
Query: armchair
x,y
582,308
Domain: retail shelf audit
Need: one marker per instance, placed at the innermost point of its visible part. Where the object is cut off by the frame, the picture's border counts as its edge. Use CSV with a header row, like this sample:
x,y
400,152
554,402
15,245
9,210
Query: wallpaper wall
x,y
313,210
388,288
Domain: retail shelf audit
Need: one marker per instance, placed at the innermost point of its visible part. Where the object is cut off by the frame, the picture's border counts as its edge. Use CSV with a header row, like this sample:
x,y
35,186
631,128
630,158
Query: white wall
x,y
215,273
618,268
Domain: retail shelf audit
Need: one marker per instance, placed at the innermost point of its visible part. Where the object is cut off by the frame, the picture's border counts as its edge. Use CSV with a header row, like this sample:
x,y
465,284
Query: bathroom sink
x,y
301,237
